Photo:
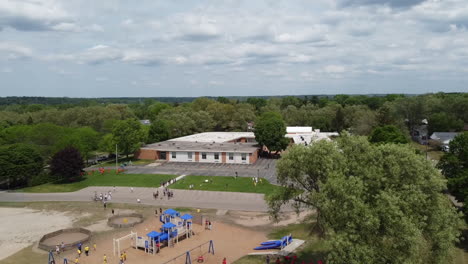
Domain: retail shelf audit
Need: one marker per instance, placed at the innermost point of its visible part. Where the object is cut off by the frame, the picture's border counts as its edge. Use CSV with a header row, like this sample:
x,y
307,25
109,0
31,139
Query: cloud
x,y
28,15
14,51
392,3
196,28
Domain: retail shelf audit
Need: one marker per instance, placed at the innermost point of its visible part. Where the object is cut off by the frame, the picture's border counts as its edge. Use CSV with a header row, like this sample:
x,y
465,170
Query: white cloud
x,y
14,50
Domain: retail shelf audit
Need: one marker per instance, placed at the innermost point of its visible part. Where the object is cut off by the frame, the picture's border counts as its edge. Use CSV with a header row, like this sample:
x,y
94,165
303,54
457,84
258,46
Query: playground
x,y
177,233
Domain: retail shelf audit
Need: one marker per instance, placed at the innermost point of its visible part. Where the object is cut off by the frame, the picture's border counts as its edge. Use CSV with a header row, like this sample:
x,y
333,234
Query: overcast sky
x,y
103,48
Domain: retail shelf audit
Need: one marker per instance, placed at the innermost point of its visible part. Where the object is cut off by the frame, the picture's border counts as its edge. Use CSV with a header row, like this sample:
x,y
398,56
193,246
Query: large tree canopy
x,y
387,134
375,203
270,131
18,164
67,164
454,166
128,135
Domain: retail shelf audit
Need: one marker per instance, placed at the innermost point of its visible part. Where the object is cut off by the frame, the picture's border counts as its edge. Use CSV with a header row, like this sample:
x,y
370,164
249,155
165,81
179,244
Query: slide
x,y
277,244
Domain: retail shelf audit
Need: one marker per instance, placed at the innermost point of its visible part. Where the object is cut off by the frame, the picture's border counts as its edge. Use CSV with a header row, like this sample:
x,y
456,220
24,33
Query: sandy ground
x,y
66,238
22,227
126,220
229,241
250,219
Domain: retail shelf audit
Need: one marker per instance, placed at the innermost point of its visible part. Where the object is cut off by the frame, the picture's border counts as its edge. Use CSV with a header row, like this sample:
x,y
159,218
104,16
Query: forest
x,y
95,127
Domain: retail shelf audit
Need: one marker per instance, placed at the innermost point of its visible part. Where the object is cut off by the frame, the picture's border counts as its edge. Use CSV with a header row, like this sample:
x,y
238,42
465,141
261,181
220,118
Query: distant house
x,y
145,122
307,135
443,138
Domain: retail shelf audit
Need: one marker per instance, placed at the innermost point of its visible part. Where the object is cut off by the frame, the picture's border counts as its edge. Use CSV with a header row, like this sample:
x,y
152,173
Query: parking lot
x,y
265,168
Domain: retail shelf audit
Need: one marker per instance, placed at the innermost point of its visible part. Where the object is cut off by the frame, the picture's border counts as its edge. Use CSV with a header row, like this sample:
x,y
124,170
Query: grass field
x,y
121,161
225,184
432,152
107,179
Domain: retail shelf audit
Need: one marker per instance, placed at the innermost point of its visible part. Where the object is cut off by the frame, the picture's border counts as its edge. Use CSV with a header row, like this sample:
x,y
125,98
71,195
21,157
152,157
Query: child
x,y
79,253
104,258
86,250
124,256
94,246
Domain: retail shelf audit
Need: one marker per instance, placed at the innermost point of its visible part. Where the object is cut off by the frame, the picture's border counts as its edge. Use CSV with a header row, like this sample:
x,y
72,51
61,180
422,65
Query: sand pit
x,y
70,237
125,220
22,227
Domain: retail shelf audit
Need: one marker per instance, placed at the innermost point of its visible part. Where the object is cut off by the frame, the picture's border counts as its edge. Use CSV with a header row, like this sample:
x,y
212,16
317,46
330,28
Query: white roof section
x,y
298,129
215,137
444,137
307,138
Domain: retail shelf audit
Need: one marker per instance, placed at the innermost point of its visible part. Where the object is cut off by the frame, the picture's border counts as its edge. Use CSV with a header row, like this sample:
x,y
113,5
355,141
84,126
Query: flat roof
x,y
298,129
216,137
202,146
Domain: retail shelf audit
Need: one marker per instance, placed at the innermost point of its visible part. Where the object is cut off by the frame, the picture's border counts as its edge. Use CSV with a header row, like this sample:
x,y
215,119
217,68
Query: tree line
x,y
89,126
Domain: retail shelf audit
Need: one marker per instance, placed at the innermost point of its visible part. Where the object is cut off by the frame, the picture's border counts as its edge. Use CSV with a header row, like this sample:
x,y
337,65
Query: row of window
x,y
216,155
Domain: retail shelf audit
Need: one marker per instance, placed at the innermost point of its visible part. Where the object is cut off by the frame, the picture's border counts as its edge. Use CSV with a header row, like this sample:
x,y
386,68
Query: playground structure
x,y
125,220
174,227
70,237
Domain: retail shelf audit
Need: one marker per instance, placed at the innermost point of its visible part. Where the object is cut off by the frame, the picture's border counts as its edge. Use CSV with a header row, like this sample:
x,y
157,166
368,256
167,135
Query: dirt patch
x,y
250,219
22,227
67,238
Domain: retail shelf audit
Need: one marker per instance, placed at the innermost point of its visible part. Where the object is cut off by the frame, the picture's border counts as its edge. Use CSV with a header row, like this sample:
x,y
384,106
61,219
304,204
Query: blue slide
x,y
275,243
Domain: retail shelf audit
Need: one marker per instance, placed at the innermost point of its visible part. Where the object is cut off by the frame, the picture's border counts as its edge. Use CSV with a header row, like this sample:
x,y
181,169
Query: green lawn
x,y
225,184
111,163
107,179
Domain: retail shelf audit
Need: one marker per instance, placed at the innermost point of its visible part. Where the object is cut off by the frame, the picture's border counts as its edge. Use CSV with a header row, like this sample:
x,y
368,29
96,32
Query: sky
x,y
154,48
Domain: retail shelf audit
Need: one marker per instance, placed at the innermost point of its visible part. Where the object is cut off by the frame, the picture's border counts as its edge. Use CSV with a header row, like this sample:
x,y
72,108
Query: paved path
x,y
265,168
182,198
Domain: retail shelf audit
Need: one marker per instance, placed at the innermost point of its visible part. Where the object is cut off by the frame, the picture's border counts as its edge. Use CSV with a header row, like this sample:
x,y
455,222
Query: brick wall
x,y
146,154
253,157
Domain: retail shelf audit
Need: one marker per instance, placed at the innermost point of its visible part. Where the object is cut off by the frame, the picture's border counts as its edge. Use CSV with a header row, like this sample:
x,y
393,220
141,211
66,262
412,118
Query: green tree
x,y
270,131
128,135
444,122
258,103
387,134
454,166
67,165
159,131
18,164
339,120
374,203
85,139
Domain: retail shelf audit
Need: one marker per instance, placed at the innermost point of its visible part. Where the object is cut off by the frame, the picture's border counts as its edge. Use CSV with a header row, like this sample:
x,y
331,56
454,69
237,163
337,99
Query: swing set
x,y
188,256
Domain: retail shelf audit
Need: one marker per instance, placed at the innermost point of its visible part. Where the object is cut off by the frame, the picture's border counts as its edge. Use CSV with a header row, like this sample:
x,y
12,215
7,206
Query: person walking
x,y
224,261
86,250
158,247
79,252
104,259
79,246
94,246
268,259
105,204
131,189
124,256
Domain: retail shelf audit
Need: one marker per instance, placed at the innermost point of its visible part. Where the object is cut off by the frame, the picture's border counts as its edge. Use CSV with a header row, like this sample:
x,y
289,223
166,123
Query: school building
x,y
209,147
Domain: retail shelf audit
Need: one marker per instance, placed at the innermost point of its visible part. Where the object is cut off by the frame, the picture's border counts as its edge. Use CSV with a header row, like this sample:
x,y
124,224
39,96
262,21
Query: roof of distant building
x,y
145,122
298,129
444,137
216,137
202,146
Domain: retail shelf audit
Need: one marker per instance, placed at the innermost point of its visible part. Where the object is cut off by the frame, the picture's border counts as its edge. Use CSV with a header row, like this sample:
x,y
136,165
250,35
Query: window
x,y
244,156
216,156
189,155
203,155
174,154
231,156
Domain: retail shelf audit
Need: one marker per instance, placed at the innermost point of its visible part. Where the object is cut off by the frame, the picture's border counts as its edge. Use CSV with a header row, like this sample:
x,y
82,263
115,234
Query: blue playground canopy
x,y
170,212
168,225
153,234
186,217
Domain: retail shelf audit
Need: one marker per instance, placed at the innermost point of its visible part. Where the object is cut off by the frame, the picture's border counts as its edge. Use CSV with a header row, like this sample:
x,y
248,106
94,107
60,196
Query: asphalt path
x,y
182,198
